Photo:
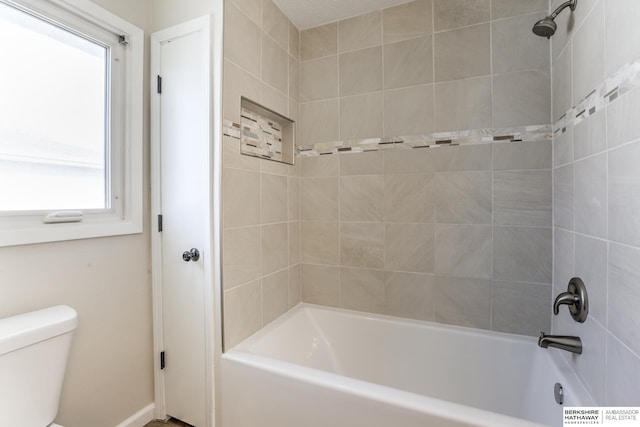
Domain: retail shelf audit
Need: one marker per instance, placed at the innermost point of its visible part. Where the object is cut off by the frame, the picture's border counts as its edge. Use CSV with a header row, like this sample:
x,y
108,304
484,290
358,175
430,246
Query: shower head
x,y
546,27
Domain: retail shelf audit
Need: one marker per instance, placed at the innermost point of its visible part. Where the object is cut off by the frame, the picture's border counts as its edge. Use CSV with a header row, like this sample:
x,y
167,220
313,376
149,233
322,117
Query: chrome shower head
x,y
546,27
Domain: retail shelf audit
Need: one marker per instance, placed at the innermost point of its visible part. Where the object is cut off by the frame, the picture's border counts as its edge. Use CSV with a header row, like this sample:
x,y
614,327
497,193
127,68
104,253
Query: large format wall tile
x,y
319,199
273,198
590,135
588,54
360,32
624,295
361,71
319,242
409,111
562,84
563,201
523,155
464,302
408,63
520,308
507,8
241,256
591,196
320,284
319,79
362,244
521,98
410,295
463,250
407,21
409,161
241,197
623,194
564,260
522,198
243,312
450,14
275,247
591,265
275,295
362,290
623,374
409,247
369,163
463,197
319,41
522,254
409,198
622,41
463,104
513,47
619,128
243,40
275,23
469,158
362,198
319,121
462,53
361,116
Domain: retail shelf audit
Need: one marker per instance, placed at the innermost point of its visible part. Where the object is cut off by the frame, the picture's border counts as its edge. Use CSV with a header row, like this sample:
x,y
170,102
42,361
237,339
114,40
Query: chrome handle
x,y
192,255
576,298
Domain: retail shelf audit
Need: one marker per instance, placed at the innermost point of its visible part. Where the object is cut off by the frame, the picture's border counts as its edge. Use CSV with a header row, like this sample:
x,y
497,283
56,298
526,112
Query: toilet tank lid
x,y
29,328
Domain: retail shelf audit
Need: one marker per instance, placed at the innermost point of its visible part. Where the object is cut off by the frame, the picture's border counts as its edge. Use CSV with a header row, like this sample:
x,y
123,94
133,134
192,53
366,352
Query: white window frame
x,y
127,169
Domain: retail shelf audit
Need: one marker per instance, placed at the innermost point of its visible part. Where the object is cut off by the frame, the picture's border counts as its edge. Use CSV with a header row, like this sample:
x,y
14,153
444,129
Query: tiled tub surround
x,y
260,249
424,67
597,191
453,234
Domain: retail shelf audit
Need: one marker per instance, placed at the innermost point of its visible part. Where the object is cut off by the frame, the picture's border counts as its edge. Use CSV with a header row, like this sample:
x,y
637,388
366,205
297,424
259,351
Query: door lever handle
x,y
192,255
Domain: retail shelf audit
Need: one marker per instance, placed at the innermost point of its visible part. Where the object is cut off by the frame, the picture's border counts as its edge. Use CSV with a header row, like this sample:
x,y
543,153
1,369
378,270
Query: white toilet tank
x,y
33,357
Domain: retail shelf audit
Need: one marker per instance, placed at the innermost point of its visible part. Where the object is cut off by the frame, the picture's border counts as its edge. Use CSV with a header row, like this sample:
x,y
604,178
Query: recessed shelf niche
x,y
265,133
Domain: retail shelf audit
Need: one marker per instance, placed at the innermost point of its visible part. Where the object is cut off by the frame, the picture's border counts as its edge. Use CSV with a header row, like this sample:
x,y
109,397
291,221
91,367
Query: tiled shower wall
x,y
456,234
422,67
597,193
260,248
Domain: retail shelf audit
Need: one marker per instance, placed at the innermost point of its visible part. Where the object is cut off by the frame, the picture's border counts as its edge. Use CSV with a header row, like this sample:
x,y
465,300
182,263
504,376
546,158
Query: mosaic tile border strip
x,y
260,136
466,137
623,81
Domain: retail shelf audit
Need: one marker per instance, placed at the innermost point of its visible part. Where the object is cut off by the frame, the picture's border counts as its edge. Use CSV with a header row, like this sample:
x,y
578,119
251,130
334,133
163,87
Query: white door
x,y
183,111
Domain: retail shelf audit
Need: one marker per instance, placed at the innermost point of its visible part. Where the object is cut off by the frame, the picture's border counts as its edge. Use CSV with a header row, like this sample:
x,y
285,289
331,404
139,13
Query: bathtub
x,y
325,367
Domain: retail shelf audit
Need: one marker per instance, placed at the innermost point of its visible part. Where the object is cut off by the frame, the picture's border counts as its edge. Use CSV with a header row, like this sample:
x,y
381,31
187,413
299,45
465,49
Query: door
x,y
183,154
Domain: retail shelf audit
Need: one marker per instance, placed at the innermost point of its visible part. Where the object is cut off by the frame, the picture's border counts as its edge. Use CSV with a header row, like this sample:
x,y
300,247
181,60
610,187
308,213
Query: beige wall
x,y
260,197
107,280
596,234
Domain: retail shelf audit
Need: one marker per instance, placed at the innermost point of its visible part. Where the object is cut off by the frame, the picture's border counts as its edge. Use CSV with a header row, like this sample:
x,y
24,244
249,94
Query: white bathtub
x,y
323,367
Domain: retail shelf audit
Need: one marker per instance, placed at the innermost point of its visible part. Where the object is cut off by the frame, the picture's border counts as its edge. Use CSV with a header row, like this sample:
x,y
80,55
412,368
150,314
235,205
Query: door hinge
x,y
159,84
162,360
159,223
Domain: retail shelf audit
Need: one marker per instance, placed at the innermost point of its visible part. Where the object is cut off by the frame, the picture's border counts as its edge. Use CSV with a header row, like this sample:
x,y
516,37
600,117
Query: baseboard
x,y
140,418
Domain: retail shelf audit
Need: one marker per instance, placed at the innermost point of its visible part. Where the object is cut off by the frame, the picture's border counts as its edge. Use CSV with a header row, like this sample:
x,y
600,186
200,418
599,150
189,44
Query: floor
x,y
169,423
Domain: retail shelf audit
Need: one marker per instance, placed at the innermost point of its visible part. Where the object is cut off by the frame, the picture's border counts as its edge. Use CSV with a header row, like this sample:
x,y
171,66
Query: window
x,y
70,122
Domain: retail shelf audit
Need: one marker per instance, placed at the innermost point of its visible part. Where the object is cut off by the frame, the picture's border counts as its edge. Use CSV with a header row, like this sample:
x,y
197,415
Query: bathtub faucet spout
x,y
563,342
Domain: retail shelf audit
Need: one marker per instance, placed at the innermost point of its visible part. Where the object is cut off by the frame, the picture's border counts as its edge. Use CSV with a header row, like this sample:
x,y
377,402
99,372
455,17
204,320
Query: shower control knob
x,y
192,255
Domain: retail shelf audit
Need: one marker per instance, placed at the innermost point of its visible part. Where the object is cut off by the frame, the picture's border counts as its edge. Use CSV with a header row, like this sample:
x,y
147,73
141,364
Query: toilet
x,y
33,357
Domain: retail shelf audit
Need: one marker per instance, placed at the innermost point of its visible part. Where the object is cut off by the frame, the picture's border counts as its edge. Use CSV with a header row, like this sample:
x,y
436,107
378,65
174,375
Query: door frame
x,y
211,41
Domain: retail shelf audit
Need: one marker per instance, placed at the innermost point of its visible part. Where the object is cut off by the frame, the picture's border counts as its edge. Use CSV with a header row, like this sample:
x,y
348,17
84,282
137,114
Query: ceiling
x,y
311,13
